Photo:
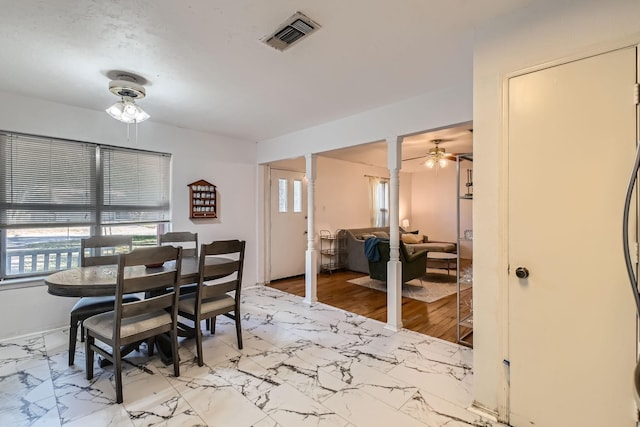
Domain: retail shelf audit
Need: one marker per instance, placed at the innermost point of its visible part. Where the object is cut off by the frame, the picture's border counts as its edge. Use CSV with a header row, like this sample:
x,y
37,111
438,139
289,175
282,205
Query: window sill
x,y
26,282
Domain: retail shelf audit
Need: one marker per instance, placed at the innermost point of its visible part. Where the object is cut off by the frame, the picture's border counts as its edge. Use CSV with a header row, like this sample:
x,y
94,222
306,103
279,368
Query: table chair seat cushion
x,y
210,305
102,324
88,306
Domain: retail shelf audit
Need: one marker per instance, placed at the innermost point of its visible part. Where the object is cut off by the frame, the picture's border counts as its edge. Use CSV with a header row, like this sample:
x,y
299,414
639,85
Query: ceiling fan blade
x,y
449,156
415,158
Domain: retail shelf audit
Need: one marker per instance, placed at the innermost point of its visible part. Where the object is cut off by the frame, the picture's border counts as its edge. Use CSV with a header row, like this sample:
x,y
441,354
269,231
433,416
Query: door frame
x,y
503,217
266,188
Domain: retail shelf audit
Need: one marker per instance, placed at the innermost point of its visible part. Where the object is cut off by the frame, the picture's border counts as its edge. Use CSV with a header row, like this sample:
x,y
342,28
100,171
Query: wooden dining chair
x,y
96,250
187,240
132,322
189,243
212,299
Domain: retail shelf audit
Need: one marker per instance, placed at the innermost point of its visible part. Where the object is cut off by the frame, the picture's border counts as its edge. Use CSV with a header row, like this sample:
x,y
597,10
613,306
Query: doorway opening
x,y
428,209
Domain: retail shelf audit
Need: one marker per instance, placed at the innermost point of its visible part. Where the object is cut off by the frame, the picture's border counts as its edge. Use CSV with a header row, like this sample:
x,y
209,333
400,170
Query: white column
x,y
394,267
262,180
311,258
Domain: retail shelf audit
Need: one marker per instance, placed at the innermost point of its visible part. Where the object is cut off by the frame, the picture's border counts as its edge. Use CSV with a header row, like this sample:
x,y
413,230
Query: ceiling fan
x,y
436,156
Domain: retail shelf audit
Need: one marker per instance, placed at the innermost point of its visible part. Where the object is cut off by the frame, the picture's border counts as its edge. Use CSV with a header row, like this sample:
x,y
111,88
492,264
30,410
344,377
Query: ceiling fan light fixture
x,y
436,156
126,110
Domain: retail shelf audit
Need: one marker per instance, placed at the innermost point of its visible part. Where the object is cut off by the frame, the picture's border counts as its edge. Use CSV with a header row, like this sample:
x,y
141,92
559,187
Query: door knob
x,y
522,272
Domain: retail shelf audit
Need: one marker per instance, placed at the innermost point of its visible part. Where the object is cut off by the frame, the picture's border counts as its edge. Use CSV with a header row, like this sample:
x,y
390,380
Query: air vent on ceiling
x,y
293,29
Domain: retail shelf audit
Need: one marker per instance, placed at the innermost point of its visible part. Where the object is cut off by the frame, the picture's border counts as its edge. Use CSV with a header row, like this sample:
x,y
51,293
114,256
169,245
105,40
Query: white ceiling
x,y
454,140
208,70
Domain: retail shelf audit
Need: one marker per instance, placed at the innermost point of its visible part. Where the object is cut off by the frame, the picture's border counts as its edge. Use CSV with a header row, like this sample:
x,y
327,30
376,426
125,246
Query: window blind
x,y
135,187
46,181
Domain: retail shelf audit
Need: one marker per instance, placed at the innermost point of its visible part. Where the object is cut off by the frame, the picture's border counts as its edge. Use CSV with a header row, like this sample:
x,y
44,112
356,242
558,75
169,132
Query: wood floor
x,y
437,319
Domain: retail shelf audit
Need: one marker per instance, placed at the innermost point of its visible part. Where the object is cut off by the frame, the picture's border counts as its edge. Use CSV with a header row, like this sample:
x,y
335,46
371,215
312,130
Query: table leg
x,y
163,345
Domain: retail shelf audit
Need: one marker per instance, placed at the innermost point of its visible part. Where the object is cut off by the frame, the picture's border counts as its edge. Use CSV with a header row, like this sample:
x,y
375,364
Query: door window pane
x,y
283,195
297,195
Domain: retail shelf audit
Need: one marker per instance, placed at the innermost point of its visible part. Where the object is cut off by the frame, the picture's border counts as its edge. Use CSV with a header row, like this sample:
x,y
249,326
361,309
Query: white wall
x,y
228,163
428,111
434,205
342,194
545,31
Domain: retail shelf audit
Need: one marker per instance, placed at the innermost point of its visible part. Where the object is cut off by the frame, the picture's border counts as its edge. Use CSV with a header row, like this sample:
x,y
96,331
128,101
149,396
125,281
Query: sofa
x,y
413,265
356,259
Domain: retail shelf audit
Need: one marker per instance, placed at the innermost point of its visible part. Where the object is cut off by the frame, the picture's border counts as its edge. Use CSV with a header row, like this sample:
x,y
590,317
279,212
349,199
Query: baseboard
x,y
483,411
31,334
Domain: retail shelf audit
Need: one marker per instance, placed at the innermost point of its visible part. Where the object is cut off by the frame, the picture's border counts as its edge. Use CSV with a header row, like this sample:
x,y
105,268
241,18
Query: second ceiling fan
x,y
436,155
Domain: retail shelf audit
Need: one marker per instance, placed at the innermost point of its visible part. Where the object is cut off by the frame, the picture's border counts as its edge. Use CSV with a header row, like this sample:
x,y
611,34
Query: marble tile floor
x,y
301,366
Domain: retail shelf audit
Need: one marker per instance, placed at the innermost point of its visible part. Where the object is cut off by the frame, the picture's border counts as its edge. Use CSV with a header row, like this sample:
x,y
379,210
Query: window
x,y
54,192
379,201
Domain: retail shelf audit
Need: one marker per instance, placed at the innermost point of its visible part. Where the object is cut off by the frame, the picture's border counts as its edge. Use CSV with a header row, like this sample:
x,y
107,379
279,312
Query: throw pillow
x,y
365,236
380,234
411,238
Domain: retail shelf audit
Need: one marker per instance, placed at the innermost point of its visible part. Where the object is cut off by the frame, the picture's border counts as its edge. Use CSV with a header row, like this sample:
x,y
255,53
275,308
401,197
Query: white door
x,y
288,223
572,322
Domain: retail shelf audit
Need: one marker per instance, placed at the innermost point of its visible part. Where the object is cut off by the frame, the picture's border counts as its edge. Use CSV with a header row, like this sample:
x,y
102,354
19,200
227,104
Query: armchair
x,y
413,265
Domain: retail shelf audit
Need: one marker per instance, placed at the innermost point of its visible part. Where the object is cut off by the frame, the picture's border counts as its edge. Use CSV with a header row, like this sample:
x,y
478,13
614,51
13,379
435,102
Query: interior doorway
x,y
428,200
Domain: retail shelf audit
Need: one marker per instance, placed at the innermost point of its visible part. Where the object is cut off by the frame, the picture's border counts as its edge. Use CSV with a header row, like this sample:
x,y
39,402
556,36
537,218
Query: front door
x,y
572,322
288,223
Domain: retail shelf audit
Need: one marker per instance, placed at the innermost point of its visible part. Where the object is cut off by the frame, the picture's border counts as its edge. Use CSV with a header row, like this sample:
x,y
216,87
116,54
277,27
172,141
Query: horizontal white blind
x,y
46,181
136,186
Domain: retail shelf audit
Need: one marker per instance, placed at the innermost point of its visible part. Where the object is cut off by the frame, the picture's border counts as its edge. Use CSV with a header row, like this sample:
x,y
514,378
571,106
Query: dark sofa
x,y
413,265
356,259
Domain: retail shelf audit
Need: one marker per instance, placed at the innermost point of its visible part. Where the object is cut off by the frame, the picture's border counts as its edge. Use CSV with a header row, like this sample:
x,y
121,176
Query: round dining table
x,y
101,280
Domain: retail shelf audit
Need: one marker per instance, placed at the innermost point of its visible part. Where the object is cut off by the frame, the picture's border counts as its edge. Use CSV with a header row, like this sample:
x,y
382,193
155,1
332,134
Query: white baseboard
x,y
483,411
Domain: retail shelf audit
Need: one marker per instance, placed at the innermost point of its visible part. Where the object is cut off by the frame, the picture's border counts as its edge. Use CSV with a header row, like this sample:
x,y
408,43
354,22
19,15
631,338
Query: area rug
x,y
429,288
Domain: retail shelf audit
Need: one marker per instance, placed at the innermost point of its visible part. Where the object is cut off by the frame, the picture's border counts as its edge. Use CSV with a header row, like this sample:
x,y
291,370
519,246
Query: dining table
x,y
100,280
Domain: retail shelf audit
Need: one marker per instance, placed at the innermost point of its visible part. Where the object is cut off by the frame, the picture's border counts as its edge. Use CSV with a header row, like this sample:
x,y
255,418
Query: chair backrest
x,y
384,248
164,280
221,260
103,250
180,238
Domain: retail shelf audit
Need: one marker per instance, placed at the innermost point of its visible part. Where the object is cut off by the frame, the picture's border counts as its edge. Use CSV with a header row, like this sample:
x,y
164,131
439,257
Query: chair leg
x,y
174,351
198,332
117,370
81,331
238,330
151,343
73,334
212,327
88,356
